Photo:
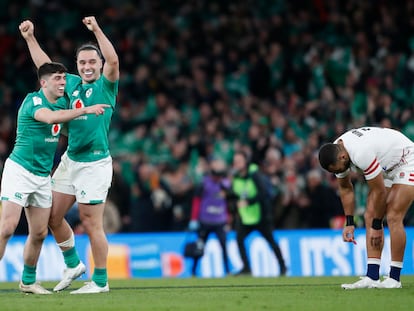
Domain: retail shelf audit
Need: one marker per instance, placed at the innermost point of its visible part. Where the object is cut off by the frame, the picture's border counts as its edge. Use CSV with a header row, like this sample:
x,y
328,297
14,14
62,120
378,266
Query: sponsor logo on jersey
x,y
88,92
56,129
78,104
37,101
75,93
51,139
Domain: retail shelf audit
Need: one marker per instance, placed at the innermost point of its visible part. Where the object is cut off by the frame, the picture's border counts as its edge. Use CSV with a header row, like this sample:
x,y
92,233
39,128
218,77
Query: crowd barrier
x,y
157,255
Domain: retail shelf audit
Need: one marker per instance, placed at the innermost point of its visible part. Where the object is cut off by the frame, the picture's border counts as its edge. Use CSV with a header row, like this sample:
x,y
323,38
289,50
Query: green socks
x,y
100,277
71,257
29,275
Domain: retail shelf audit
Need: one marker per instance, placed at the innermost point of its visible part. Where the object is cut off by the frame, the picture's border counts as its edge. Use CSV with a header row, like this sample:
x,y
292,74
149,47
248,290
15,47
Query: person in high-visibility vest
x,y
252,208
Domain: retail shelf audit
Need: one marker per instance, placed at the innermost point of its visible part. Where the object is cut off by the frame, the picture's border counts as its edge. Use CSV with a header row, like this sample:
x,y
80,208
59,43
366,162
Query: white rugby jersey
x,y
373,150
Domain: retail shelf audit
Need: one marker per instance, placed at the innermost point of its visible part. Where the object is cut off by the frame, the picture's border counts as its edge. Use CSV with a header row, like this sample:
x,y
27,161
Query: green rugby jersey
x,y
36,141
88,134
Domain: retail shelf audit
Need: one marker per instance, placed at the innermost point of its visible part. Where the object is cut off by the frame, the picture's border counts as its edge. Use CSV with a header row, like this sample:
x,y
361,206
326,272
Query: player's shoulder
x,y
105,82
31,103
34,99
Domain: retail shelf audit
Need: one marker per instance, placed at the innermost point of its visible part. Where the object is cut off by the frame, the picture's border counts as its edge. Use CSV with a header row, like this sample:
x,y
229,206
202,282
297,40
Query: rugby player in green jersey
x,y
26,180
85,171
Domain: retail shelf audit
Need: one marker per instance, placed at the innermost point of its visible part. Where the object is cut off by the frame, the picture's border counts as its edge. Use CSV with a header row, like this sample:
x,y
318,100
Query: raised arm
x,y
39,56
111,65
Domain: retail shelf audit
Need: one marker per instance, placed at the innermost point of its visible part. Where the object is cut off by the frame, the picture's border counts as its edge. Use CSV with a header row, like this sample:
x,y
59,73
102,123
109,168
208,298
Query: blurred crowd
x,y
203,79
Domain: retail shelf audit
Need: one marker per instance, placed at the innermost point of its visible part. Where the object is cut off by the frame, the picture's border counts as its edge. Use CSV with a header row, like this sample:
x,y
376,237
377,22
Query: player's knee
x,y
39,235
394,219
54,222
7,230
91,225
43,234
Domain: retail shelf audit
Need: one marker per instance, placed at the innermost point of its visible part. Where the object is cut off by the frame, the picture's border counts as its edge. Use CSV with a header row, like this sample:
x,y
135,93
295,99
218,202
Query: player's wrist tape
x,y
377,224
349,220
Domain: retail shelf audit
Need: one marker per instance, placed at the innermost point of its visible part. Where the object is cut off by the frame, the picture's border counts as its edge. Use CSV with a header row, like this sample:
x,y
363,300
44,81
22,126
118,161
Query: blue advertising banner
x,y
156,255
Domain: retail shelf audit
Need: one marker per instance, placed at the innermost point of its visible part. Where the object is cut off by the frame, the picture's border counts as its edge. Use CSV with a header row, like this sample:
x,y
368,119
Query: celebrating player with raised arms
x,y
85,171
26,181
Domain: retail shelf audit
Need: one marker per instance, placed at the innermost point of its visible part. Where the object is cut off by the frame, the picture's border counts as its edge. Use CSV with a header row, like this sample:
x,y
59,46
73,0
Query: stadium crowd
x,y
203,79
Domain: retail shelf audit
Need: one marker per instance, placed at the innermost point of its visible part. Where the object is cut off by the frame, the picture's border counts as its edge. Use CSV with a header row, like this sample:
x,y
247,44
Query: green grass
x,y
222,294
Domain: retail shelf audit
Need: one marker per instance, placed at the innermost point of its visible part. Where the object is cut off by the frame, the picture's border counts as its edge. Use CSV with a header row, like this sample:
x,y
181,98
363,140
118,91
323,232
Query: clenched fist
x,y
26,28
91,23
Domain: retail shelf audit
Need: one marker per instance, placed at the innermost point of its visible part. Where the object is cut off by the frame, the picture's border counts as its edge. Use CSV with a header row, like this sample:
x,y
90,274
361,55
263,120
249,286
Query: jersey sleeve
x,y
32,103
367,161
111,88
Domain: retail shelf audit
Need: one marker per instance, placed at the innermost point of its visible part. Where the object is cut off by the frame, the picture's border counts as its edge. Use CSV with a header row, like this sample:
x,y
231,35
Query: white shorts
x,y
22,187
403,173
88,181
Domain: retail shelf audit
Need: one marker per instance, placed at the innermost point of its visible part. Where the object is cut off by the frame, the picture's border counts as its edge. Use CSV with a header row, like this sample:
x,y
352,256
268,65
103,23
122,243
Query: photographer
x,y
209,209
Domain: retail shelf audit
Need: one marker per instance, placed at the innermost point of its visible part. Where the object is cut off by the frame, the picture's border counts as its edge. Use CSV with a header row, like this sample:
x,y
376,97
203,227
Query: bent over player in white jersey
x,y
26,175
386,159
85,171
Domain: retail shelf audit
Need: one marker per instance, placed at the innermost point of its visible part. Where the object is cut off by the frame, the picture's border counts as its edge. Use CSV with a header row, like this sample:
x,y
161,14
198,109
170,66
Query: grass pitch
x,y
230,293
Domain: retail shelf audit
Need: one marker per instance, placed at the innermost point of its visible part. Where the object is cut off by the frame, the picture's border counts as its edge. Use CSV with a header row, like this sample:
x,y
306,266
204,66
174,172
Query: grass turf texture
x,y
230,293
